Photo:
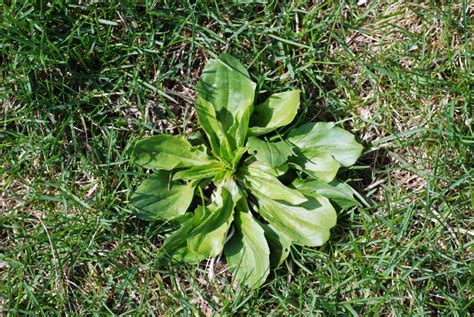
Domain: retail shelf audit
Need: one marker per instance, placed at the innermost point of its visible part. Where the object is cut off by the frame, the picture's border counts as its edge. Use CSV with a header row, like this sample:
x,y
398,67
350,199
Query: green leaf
x,y
318,164
207,239
277,111
341,193
220,144
278,243
247,252
273,154
237,156
225,95
166,152
325,138
263,183
307,224
175,247
233,188
264,167
200,172
159,198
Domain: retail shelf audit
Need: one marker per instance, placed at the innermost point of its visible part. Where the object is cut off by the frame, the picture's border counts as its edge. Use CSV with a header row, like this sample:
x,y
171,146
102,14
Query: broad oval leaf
x,y
166,152
318,164
262,166
200,172
159,198
262,183
225,85
207,239
175,247
306,224
278,243
273,154
324,137
277,111
218,139
247,252
339,192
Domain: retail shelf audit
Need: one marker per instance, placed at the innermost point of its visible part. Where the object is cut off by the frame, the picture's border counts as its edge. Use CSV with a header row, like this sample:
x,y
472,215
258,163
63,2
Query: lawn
x,y
80,82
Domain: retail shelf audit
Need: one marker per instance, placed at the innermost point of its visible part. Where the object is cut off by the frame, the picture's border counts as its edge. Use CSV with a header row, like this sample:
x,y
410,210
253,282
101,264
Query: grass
x,y
80,82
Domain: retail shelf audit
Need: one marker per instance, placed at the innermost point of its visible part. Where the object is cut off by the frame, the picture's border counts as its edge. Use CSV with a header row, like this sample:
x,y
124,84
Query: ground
x,y
80,82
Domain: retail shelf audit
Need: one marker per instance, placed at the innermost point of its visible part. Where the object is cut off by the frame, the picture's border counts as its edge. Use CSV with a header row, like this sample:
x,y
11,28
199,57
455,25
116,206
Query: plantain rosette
x,y
269,189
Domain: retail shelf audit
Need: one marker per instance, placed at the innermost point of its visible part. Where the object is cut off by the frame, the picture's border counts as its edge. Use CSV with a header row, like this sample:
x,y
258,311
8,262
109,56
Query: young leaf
x,y
159,198
247,252
166,152
262,183
341,193
225,85
324,137
273,154
207,239
306,224
232,187
277,111
238,153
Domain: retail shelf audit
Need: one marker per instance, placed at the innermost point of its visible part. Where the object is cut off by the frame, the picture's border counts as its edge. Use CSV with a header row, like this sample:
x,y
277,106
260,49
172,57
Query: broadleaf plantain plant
x,y
269,189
